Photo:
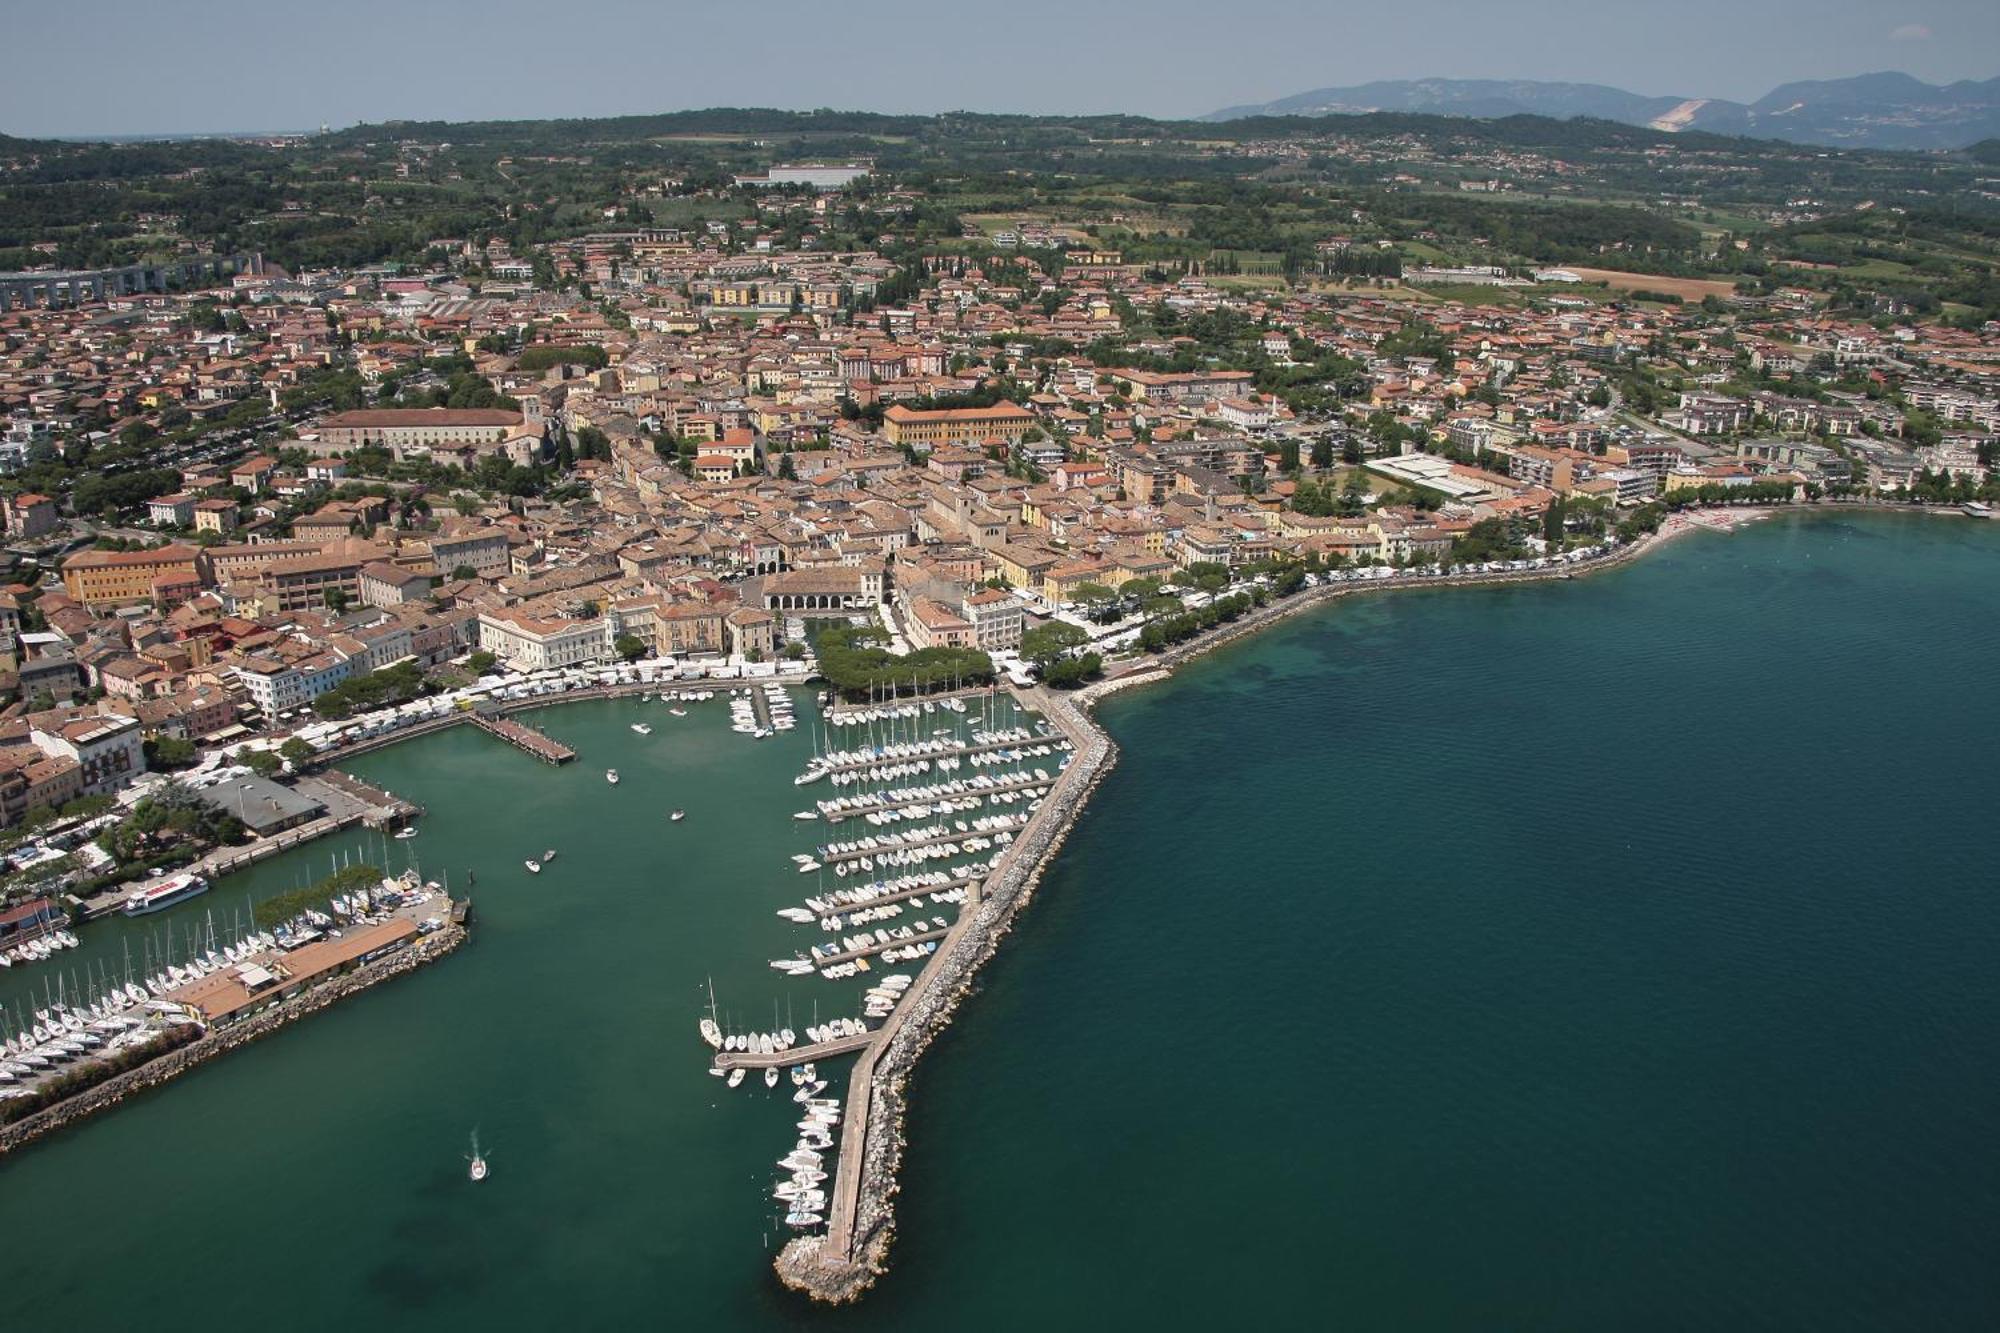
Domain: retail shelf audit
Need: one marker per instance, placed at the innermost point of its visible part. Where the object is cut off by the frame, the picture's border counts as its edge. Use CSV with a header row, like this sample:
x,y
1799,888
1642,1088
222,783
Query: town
x,y
245,504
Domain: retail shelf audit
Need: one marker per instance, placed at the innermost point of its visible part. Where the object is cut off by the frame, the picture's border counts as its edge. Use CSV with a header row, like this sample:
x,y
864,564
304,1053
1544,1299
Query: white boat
x,y
805,814
407,833
642,728
478,1168
548,856
678,712
164,893
798,914
735,1079
771,1077
534,867
611,776
677,816
711,1034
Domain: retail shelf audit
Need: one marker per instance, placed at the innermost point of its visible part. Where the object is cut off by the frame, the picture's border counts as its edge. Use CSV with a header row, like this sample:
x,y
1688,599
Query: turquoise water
x,y
1614,953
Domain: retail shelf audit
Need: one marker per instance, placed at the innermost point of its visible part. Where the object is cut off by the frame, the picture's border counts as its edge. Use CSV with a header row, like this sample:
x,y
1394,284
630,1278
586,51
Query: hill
x,y
1884,110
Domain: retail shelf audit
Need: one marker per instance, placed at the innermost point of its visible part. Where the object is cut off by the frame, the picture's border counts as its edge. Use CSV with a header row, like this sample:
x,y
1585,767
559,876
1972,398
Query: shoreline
x,y
840,1266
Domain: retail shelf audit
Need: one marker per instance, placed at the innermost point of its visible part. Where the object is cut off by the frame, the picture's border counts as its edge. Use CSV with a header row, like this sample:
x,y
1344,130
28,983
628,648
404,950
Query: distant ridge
x,y
1885,110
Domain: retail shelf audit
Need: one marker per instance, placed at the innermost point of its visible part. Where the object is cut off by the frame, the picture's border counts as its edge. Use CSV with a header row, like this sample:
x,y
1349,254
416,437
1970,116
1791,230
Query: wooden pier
x,y
523,737
998,789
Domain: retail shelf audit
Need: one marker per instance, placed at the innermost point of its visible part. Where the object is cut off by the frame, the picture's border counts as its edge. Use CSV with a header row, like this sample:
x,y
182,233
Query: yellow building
x,y
965,425
101,579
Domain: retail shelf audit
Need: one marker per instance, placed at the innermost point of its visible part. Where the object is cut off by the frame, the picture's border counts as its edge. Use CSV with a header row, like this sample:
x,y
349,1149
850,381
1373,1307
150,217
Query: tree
x,y
336,600
263,763
295,751
464,572
629,646
170,752
481,662
1046,643
1552,523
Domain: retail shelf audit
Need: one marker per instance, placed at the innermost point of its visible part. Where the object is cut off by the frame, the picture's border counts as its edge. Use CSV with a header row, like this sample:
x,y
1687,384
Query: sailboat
x,y
478,1170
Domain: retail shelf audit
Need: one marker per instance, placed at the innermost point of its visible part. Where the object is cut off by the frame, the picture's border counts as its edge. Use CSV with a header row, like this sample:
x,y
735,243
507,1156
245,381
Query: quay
x,y
997,789
347,801
797,1055
876,761
828,960
522,737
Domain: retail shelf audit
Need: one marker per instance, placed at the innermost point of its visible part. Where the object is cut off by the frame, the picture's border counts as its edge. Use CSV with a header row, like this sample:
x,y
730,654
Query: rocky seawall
x,y
172,1064
808,1264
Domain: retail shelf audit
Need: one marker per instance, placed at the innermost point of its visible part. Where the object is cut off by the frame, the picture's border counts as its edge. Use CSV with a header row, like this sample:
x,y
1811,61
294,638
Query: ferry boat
x,y
164,893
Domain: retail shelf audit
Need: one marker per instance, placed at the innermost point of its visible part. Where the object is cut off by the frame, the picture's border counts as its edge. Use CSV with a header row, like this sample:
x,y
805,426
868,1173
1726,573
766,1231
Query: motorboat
x,y
611,776
735,1079
534,867
642,728
677,816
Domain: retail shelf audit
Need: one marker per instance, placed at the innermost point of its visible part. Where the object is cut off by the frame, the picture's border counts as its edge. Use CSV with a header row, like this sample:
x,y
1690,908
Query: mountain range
x,y
1886,110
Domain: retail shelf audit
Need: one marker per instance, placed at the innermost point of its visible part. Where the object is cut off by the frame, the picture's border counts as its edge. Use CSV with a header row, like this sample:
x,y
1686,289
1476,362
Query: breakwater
x,y
179,1060
841,1265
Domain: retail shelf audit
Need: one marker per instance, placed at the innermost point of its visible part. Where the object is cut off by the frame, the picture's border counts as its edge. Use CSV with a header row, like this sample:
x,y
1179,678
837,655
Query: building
x,y
265,807
962,425
383,584
217,516
30,516
934,625
482,550
531,643
398,429
107,747
105,579
998,619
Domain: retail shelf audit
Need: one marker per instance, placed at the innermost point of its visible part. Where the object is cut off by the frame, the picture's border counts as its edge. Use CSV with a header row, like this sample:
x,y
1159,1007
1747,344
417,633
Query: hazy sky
x,y
137,66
